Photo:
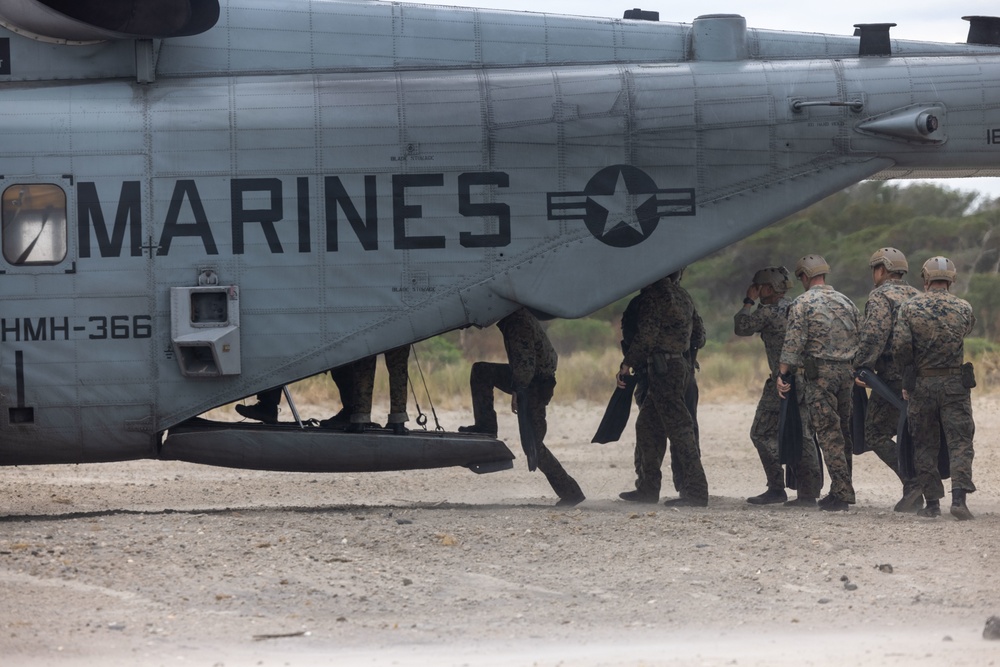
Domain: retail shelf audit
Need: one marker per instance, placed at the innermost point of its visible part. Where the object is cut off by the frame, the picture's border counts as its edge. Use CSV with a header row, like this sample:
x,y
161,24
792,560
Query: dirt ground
x,y
164,563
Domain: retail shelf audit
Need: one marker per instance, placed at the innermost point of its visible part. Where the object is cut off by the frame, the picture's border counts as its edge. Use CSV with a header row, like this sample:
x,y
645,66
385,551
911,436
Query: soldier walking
x,y
769,319
929,335
889,266
662,346
531,372
821,340
630,325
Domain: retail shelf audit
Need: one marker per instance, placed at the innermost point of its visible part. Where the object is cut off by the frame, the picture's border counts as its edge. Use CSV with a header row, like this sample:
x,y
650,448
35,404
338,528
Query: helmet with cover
x,y
811,266
775,276
938,268
892,259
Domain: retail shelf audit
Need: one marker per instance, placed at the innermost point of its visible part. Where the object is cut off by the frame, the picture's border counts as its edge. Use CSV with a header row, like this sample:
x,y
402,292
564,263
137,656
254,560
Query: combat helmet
x,y
938,268
892,259
811,266
775,276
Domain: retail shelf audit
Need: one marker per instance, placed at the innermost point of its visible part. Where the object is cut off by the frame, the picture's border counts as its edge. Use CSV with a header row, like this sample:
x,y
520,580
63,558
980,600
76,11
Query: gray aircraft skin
x,y
203,199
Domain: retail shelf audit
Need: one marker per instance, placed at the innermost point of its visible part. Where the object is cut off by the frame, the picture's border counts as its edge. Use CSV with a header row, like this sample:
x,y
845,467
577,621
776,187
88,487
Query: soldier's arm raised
x,y
746,321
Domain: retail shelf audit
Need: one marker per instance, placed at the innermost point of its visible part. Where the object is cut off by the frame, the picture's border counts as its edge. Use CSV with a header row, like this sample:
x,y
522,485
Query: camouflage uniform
x,y
630,324
769,321
698,340
663,339
822,333
532,371
929,334
875,352
363,381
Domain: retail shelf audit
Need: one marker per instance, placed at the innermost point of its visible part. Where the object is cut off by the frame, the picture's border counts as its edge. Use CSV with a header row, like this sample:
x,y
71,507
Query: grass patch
x,y
735,371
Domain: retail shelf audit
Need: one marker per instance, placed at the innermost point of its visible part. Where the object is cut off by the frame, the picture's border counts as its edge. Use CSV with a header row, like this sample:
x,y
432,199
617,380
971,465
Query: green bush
x,y
438,351
984,295
977,347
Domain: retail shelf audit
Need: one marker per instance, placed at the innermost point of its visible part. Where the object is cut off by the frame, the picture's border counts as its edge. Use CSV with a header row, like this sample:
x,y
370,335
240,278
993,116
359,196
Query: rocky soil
x,y
163,563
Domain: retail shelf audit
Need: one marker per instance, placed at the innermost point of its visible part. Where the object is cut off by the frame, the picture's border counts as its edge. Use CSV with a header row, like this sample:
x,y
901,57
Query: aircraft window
x,y
34,224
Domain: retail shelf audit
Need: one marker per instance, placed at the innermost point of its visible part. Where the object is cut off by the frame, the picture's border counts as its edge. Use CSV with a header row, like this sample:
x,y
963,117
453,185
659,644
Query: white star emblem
x,y
620,205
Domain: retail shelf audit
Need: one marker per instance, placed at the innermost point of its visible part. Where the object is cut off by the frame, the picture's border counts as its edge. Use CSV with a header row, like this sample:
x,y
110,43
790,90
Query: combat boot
x,y
912,500
259,412
932,510
571,500
826,500
339,420
801,501
638,496
480,429
769,497
569,492
958,508
834,505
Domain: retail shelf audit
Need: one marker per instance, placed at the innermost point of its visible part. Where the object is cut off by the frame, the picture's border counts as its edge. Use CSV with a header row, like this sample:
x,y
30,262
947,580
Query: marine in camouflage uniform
x,y
698,340
875,352
630,326
662,348
531,371
821,340
630,323
929,335
769,320
363,386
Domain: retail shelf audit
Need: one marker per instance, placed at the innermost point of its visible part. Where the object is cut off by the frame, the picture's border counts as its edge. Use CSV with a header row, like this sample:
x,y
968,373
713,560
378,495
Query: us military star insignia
x,y
620,205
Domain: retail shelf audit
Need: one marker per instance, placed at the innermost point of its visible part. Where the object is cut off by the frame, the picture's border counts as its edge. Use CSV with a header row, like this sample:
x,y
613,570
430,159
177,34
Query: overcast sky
x,y
932,20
